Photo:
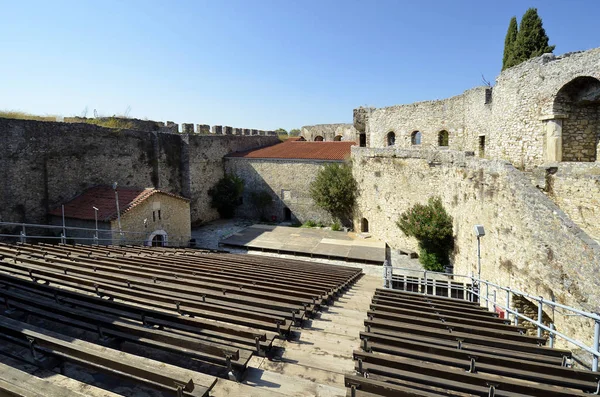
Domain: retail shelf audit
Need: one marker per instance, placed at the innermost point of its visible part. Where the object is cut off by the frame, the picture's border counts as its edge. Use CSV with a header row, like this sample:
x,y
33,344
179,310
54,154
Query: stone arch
x,y
443,138
337,138
319,138
364,225
158,237
391,138
415,138
575,124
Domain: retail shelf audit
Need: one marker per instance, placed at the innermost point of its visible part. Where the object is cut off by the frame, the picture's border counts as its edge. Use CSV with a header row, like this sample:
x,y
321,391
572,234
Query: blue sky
x,y
260,64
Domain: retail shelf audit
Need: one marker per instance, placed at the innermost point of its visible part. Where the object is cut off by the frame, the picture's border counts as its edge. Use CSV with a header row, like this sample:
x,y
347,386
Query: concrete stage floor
x,y
315,243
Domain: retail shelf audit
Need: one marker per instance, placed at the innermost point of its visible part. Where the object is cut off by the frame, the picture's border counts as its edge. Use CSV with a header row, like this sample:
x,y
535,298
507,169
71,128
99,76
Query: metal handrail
x,y
129,237
474,289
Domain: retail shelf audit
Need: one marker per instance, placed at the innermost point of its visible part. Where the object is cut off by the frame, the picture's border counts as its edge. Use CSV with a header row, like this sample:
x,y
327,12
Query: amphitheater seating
x,y
197,310
421,345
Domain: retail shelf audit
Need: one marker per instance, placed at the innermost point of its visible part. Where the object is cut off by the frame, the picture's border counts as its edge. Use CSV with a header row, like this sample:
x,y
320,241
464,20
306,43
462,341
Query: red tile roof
x,y
103,198
294,149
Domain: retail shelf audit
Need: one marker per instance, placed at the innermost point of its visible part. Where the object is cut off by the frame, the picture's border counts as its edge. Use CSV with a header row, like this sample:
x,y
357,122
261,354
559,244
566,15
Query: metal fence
x,y
28,232
496,298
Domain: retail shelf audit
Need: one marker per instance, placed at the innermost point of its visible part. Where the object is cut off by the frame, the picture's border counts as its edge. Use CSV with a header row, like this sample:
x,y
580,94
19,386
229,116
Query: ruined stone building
x,y
520,158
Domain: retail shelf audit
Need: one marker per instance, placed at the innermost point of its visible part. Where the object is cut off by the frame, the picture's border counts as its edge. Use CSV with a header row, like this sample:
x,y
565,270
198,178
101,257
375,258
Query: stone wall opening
x,y
481,145
443,138
530,309
362,140
415,138
287,214
578,103
391,138
337,138
364,225
318,138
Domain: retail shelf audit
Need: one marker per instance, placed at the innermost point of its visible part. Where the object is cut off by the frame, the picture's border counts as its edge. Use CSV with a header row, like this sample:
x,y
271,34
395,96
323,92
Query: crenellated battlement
x,y
168,126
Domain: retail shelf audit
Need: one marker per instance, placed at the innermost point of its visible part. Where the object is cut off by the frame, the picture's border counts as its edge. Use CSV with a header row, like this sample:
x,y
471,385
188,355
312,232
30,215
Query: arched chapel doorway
x,y
158,238
318,138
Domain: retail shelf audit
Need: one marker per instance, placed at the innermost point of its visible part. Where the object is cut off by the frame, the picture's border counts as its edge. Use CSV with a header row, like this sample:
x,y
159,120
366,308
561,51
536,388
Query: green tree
x,y
295,132
509,41
226,195
280,131
334,190
431,225
531,41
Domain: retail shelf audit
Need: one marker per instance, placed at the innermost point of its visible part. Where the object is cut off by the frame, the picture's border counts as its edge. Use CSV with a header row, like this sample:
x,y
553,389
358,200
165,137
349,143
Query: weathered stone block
x,y
247,131
203,128
228,130
187,128
217,129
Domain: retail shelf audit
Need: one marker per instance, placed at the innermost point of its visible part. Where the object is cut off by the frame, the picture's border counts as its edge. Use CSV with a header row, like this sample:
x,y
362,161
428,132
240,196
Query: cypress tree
x,y
532,40
509,42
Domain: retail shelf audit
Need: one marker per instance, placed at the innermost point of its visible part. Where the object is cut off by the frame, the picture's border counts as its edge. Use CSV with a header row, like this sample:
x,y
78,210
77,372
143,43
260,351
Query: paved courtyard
x,y
311,242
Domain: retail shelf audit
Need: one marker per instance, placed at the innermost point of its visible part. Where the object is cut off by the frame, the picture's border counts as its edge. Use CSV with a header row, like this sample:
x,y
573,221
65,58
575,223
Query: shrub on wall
x,y
431,225
334,190
226,195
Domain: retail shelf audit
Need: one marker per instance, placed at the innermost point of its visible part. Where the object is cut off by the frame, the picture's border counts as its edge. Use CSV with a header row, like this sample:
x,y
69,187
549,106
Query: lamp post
x,y
96,218
479,232
118,210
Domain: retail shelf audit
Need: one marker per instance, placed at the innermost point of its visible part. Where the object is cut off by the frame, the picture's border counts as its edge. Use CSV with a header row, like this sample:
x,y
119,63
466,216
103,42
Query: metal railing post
x,y
487,296
540,314
508,304
425,282
516,317
552,335
63,236
387,274
494,300
23,235
596,345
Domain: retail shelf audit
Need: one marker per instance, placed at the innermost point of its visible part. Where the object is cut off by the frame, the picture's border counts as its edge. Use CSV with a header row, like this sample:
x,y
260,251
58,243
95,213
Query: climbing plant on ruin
x,y
431,225
530,41
226,195
334,190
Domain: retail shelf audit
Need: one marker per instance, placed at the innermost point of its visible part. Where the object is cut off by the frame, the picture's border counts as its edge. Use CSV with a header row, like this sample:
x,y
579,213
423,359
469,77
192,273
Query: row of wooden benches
x,y
421,345
206,309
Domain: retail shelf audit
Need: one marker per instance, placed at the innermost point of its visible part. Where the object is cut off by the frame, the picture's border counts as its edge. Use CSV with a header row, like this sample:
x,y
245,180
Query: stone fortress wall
x,y
530,244
286,181
544,110
329,132
575,188
47,163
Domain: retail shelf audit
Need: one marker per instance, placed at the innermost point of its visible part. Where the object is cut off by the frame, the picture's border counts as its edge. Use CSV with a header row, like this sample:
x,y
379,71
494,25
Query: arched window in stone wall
x,y
391,138
318,138
576,111
337,138
364,225
443,138
415,138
